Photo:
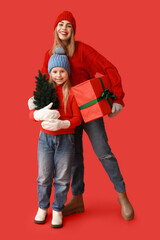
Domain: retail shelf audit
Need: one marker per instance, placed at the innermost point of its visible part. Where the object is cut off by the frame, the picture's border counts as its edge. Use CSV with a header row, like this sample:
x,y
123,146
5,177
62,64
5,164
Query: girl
x,y
56,145
85,62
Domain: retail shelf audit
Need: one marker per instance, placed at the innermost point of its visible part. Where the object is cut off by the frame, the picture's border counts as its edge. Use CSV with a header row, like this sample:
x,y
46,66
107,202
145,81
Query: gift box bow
x,y
106,94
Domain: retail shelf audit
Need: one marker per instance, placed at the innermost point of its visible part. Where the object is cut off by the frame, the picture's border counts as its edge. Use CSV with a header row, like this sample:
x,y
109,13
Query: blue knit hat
x,y
59,59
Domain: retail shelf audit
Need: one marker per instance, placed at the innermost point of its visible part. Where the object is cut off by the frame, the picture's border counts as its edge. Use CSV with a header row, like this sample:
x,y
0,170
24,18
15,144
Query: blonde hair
x,y
69,48
65,89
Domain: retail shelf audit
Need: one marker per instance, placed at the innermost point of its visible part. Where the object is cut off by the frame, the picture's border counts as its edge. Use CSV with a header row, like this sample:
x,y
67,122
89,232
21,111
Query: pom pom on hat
x,y
66,15
59,59
59,50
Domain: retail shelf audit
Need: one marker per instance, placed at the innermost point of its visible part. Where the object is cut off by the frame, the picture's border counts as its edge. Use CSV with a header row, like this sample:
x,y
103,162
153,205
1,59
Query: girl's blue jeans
x,y
98,138
55,156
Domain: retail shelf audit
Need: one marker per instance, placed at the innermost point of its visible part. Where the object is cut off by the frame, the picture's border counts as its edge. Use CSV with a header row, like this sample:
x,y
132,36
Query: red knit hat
x,y
66,15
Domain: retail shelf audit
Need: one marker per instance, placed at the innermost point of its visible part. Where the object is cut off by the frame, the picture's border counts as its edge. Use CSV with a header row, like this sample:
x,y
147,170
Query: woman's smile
x,y
63,33
64,30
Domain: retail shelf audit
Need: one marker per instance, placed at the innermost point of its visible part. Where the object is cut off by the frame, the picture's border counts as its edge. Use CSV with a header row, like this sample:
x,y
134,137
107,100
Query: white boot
x,y
57,220
41,216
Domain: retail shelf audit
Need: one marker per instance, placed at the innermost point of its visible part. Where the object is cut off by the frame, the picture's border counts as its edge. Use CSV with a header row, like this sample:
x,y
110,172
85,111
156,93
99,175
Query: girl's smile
x,y
59,75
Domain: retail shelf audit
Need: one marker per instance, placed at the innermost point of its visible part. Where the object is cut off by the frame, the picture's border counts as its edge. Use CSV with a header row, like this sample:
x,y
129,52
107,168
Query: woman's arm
x,y
94,63
45,63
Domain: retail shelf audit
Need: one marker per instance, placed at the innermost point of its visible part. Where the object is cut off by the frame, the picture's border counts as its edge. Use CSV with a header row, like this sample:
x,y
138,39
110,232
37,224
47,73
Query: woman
x,y
85,62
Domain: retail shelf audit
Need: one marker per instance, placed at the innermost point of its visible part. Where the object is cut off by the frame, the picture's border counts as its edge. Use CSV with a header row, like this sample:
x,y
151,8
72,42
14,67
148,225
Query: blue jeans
x,y
98,138
55,156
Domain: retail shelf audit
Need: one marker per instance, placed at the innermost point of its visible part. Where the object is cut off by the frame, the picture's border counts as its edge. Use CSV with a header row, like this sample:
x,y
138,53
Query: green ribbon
x,y
106,94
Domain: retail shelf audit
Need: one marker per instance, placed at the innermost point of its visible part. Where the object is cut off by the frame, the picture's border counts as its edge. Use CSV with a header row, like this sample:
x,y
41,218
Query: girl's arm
x,y
94,63
31,115
77,118
71,123
44,114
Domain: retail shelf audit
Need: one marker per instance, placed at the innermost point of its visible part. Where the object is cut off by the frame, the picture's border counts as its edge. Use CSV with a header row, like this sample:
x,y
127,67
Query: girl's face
x,y
64,30
59,75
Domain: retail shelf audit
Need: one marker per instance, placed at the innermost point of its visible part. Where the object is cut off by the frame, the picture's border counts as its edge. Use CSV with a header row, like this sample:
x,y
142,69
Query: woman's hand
x,y
31,105
116,108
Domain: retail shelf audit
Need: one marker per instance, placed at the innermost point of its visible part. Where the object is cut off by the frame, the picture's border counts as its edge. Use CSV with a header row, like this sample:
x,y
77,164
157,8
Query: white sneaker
x,y
57,220
41,216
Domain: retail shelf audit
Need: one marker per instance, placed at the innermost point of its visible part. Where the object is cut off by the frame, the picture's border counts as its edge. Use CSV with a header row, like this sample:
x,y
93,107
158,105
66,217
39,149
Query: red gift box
x,y
94,98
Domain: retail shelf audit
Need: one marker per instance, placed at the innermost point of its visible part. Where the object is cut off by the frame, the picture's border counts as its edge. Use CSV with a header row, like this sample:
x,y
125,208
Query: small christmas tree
x,y
44,93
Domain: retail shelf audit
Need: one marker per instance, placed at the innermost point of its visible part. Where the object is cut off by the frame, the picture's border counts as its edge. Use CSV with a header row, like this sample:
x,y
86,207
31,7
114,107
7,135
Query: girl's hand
x,y
46,114
55,124
116,108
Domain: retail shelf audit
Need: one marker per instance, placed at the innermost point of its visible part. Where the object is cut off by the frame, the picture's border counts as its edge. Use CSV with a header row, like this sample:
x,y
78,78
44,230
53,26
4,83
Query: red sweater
x,y
72,113
85,63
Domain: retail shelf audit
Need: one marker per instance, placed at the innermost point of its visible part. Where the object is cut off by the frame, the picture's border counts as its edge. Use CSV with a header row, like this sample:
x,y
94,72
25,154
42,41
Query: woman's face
x,y
59,75
64,30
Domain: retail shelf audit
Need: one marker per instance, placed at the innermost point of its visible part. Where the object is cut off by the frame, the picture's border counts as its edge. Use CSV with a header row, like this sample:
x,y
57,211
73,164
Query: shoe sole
x,y
40,222
57,226
73,211
128,218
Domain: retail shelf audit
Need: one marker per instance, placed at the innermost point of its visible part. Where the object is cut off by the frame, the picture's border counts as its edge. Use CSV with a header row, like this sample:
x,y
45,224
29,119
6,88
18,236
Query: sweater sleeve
x,y
45,63
77,118
94,63
31,115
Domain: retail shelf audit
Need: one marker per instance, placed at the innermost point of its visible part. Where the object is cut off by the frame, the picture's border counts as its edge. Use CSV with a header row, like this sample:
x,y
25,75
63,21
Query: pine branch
x,y
44,92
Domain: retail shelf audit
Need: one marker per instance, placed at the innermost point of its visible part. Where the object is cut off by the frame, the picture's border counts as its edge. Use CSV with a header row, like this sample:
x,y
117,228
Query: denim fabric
x,y
98,138
55,156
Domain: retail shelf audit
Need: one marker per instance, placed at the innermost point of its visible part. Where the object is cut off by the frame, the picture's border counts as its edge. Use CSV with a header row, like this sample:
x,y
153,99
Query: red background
x,y
127,34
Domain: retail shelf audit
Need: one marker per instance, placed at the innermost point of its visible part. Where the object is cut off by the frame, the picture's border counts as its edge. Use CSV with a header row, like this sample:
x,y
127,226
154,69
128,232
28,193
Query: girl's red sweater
x,y
85,63
72,113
